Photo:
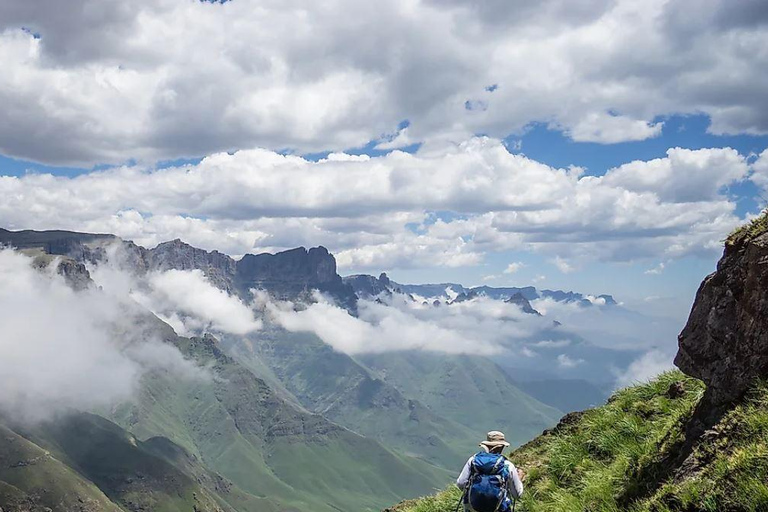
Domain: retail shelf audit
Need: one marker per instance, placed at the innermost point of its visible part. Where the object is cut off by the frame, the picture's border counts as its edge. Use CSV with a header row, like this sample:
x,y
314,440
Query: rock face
x,y
366,286
523,303
725,342
290,274
219,268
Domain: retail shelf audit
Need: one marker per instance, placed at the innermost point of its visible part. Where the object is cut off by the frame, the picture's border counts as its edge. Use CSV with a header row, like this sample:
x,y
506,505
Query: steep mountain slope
x,y
675,444
243,430
84,462
469,390
341,389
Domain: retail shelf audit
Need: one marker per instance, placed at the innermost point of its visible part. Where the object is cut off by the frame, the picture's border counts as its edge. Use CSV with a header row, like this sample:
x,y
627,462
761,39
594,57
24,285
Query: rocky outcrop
x,y
294,273
523,303
725,342
366,286
579,298
219,268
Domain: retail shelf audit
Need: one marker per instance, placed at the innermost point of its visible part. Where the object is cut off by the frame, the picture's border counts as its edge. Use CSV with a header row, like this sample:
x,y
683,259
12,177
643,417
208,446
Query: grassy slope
x,y
603,459
341,389
471,391
84,462
30,479
266,446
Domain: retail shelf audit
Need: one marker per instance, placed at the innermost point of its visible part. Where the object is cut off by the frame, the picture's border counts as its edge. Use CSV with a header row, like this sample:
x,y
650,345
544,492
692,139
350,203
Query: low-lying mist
x,y
64,349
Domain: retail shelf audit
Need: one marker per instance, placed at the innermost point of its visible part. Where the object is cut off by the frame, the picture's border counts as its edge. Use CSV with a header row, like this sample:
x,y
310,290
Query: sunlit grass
x,y
589,464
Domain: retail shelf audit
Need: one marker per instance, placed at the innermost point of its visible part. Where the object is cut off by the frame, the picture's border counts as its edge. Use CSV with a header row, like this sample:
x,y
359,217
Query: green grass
x,y
749,231
608,459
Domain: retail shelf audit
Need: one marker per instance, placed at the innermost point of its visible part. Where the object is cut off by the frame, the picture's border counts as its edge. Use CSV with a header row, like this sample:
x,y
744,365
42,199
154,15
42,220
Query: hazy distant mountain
x,y
367,286
469,390
343,390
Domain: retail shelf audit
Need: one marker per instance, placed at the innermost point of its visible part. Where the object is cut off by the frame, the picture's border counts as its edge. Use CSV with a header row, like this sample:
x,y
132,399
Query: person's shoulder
x,y
509,464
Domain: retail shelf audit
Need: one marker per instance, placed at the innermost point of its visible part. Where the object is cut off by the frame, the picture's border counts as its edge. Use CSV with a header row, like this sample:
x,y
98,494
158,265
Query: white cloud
x,y
760,166
645,368
513,267
607,129
184,299
379,212
658,269
563,265
203,306
124,81
64,349
481,326
566,362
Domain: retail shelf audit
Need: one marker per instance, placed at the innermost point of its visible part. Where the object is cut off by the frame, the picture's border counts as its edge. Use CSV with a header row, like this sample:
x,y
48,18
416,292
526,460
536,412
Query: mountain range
x,y
286,422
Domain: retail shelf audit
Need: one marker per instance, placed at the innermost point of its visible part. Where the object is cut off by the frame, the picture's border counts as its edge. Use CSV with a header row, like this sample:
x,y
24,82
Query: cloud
x,y
481,326
389,211
562,265
513,267
566,362
608,129
125,83
645,368
203,306
591,343
185,299
658,269
65,349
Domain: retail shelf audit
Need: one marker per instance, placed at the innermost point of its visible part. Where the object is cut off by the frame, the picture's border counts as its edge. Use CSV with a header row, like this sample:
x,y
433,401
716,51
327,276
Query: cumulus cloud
x,y
513,267
125,82
645,368
388,211
64,349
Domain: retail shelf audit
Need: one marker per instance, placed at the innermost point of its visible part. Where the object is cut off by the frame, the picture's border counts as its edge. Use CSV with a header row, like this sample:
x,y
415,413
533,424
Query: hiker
x,y
489,480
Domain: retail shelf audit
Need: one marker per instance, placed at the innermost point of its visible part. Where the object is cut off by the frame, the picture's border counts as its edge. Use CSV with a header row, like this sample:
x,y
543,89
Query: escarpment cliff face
x,y
291,274
725,342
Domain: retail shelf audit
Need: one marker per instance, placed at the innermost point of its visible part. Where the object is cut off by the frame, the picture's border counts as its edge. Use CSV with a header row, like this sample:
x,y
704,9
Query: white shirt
x,y
514,484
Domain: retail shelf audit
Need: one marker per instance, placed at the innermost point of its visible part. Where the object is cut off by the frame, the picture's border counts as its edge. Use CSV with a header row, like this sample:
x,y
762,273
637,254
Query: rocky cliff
x,y
725,342
291,274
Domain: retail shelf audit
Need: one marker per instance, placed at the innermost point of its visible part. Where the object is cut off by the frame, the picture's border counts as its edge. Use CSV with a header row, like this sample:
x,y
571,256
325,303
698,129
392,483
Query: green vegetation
x,y
469,390
343,390
89,463
749,231
612,458
266,447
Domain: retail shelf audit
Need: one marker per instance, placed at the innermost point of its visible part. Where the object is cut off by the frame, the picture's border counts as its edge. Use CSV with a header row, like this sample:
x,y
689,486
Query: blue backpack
x,y
487,488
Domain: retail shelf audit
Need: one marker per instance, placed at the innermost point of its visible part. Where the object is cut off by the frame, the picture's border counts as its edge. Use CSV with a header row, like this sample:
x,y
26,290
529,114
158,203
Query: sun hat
x,y
493,439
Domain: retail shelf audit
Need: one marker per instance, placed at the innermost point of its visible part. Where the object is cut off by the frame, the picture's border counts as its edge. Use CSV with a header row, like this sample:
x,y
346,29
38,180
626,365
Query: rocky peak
x,y
294,273
725,342
366,286
523,303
